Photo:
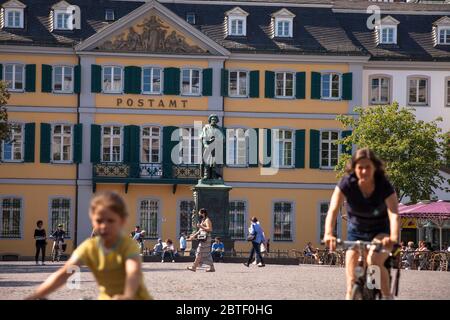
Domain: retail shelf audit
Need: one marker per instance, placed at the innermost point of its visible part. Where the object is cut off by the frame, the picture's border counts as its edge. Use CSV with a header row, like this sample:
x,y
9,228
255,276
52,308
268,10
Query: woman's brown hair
x,y
204,212
365,153
111,201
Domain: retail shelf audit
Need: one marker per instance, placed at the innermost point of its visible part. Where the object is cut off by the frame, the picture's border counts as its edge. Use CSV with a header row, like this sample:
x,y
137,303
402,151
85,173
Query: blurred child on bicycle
x,y
112,256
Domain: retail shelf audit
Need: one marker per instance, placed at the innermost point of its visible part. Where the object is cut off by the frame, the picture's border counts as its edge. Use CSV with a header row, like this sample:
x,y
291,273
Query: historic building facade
x,y
101,93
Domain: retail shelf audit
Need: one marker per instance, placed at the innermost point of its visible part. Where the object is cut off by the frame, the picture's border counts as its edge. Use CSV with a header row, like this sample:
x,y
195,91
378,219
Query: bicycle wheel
x,y
357,292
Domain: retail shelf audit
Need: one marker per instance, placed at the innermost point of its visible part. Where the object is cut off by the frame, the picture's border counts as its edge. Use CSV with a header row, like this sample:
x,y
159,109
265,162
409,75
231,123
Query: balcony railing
x,y
150,170
112,170
186,171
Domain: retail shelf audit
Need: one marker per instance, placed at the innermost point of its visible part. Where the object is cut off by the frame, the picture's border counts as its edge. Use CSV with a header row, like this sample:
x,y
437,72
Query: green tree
x,y
4,125
412,150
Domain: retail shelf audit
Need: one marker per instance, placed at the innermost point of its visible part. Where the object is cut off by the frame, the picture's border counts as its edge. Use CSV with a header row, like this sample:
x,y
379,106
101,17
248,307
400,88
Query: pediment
x,y
389,21
444,21
152,29
14,4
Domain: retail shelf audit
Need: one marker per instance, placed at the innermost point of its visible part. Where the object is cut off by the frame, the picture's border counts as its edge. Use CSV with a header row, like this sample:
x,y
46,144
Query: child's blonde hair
x,y
110,200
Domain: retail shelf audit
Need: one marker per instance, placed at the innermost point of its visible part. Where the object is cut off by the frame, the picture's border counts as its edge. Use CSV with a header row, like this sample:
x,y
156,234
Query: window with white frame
x,y
388,35
150,145
329,149
236,147
190,17
10,211
331,85
283,27
13,18
111,143
112,79
63,20
190,82
191,147
15,77
444,36
63,79
380,90
185,209
237,26
282,221
148,217
284,141
418,91
236,226
62,143
12,150
238,83
109,15
284,84
60,214
151,80
323,207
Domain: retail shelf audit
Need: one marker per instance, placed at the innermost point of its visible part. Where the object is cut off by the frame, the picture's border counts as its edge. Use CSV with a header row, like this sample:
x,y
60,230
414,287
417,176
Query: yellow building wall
x,y
39,98
293,105
39,170
35,206
107,100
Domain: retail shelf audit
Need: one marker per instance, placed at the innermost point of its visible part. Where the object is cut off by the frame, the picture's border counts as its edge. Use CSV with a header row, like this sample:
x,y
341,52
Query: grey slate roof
x,y
317,30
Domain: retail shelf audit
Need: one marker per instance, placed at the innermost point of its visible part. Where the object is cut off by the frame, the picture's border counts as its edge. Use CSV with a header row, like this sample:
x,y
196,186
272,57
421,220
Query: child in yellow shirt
x,y
112,256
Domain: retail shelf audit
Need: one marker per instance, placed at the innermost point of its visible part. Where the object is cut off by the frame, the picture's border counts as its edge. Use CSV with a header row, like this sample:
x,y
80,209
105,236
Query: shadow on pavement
x,y
19,283
32,268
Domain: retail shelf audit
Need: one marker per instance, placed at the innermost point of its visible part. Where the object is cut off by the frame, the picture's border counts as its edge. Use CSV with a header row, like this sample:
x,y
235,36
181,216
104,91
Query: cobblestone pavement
x,y
229,282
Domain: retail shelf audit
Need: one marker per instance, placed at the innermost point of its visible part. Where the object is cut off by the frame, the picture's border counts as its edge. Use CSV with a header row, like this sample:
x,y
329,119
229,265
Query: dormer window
x,y
109,15
283,21
190,17
66,16
388,35
13,14
387,30
236,22
444,35
441,31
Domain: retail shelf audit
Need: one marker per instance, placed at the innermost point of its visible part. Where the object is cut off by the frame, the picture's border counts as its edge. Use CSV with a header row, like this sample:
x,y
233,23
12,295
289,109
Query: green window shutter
x,y
30,78
77,80
78,143
347,84
168,145
344,149
314,149
225,78
46,132
300,148
30,134
253,156
96,132
267,149
132,80
171,81
254,84
96,78
1,71
300,80
269,87
207,82
46,78
131,144
126,144
315,85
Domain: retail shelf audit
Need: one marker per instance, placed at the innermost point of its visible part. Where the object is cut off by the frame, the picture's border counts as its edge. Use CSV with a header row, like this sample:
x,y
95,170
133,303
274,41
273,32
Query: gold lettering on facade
x,y
150,103
152,38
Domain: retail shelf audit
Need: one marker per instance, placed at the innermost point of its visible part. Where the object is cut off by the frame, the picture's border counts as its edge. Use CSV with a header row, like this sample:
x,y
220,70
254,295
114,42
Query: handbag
x,y
251,237
202,236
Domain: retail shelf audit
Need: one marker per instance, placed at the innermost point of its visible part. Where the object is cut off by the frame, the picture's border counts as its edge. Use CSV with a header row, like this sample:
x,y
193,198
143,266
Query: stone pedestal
x,y
213,195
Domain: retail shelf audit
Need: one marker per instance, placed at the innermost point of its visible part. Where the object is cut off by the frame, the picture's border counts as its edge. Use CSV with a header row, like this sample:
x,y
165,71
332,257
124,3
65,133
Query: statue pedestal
x,y
213,195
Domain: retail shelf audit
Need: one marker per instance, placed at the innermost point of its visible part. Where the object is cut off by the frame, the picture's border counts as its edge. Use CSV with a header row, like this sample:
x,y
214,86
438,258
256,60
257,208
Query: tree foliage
x,y
412,150
4,126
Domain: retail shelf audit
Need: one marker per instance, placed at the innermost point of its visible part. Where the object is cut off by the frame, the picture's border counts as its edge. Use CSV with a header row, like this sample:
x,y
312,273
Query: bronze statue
x,y
211,132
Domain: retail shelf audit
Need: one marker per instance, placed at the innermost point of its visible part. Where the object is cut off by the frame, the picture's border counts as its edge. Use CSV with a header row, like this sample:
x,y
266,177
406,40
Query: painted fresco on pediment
x,y
151,36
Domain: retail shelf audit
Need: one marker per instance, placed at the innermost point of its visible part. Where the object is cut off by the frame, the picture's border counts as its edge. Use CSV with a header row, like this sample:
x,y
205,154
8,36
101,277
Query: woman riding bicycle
x,y
372,209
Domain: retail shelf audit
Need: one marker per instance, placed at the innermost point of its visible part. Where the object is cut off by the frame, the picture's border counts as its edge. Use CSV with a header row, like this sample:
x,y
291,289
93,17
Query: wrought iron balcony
x,y
186,171
111,170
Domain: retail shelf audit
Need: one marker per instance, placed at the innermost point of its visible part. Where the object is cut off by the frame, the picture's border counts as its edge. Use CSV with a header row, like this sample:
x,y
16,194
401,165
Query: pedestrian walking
x,y
256,236
203,253
41,243
183,243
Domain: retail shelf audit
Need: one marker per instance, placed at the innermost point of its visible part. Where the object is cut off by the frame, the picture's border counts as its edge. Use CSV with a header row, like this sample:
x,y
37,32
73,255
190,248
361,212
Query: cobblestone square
x,y
229,282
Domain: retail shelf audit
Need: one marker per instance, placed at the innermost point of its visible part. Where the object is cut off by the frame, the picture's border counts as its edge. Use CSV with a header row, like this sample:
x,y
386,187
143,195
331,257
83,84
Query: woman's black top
x,y
366,214
40,233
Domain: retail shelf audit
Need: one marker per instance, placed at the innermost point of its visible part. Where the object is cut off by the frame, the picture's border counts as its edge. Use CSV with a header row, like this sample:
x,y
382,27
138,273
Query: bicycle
x,y
361,290
57,250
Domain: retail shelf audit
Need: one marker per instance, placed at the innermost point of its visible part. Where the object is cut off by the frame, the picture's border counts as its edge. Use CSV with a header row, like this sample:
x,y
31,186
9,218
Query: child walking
x,y
112,256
